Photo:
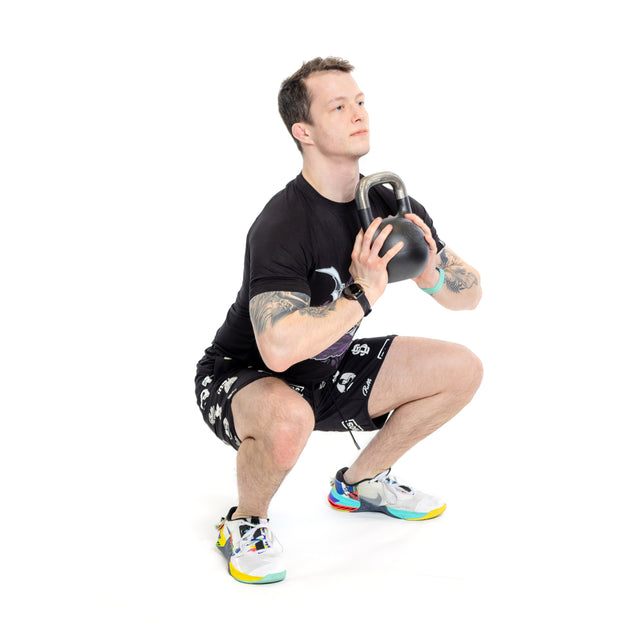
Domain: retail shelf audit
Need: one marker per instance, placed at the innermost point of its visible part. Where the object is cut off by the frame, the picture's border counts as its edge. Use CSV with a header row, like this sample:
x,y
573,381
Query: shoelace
x,y
390,481
398,490
254,537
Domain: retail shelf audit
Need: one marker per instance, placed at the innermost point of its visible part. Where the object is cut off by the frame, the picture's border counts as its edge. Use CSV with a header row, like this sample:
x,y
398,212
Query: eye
x,y
339,108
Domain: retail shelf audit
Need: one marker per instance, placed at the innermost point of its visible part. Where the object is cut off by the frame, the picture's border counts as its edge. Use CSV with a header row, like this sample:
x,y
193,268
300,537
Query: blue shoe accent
x,y
338,498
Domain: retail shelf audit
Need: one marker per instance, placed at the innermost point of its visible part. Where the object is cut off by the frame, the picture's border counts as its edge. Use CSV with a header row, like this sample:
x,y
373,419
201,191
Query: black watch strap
x,y
355,292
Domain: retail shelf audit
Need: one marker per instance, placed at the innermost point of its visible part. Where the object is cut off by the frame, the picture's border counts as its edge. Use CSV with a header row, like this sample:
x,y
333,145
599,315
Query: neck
x,y
334,181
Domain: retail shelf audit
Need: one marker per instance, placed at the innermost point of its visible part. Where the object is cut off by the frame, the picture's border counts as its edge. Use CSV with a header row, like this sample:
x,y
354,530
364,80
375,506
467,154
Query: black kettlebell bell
x,y
412,259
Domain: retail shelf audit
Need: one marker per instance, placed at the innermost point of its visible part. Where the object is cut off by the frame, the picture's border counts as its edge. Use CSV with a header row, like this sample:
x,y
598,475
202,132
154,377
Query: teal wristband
x,y
439,285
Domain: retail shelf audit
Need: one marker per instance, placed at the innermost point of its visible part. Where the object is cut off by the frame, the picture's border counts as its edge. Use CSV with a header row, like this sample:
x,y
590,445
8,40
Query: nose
x,y
359,113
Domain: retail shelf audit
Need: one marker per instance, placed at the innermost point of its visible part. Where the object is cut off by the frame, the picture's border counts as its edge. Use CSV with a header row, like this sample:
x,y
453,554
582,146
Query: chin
x,y
362,150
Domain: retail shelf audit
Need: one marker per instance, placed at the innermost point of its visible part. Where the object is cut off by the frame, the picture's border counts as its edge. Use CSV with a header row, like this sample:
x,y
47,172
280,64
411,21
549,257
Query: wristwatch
x,y
355,292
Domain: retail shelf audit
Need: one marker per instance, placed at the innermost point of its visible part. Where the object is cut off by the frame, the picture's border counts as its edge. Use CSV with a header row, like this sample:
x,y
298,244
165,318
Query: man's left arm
x,y
460,288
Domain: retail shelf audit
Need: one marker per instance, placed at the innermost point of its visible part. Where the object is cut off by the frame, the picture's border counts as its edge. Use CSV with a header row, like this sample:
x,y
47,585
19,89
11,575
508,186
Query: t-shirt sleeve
x,y
278,260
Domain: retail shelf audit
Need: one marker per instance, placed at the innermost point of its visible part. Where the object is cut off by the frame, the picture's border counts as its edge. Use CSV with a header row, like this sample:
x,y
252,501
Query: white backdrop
x,y
138,142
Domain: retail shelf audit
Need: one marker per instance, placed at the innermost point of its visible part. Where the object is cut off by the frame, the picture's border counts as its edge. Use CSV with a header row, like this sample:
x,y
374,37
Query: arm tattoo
x,y
319,312
266,309
457,277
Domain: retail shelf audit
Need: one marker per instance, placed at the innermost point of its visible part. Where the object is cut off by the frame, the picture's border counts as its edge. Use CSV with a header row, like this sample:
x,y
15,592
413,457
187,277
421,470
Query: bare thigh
x,y
418,368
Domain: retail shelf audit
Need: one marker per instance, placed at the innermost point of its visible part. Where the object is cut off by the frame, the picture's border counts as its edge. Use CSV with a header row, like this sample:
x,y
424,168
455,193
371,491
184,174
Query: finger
x,y
380,240
428,236
371,229
357,245
417,220
392,252
414,218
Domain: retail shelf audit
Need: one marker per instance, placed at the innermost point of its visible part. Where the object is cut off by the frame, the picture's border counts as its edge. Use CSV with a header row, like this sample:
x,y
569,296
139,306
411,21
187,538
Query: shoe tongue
x,y
384,477
253,520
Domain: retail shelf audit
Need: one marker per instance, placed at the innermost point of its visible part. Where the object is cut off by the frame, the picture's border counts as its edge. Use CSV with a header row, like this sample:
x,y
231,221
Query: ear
x,y
301,132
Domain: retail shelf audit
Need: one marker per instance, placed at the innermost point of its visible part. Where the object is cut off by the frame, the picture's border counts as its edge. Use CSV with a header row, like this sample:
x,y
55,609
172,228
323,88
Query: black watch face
x,y
353,291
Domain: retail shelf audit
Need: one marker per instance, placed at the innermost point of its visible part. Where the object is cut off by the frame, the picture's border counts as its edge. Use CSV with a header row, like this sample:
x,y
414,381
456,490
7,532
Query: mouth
x,y
362,132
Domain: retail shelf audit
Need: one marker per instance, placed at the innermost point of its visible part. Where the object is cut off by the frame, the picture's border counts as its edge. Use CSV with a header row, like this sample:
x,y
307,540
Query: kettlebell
x,y
412,259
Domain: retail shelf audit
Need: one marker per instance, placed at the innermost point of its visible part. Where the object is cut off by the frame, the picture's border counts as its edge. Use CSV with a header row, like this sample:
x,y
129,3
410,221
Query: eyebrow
x,y
342,98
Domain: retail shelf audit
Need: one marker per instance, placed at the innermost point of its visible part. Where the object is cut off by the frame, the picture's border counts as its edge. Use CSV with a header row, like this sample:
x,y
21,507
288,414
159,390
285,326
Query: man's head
x,y
321,87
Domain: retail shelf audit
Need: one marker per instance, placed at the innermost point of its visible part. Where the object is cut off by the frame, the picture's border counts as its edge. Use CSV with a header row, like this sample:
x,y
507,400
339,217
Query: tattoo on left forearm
x,y
457,276
458,279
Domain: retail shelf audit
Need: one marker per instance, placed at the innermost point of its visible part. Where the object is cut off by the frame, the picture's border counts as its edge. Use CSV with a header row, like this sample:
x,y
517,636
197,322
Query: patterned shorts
x,y
339,403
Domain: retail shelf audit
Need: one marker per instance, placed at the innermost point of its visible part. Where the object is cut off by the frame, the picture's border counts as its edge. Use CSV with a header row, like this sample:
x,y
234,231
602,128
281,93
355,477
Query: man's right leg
x,y
273,423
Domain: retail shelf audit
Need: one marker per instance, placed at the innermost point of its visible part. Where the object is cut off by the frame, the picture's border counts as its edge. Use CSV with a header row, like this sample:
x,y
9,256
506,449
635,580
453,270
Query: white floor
x,y
139,141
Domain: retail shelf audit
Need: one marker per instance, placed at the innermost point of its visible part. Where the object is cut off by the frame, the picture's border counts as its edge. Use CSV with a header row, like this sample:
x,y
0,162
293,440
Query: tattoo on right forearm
x,y
266,309
319,312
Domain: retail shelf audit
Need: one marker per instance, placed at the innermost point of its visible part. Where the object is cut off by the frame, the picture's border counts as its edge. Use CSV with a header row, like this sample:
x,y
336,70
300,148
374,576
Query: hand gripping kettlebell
x,y
412,259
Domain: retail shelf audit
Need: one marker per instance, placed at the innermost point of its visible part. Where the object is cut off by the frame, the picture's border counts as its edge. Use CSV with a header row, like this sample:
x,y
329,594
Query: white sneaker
x,y
386,495
253,552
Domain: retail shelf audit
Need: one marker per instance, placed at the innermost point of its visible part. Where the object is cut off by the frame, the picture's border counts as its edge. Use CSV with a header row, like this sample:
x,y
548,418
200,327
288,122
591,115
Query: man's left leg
x,y
425,382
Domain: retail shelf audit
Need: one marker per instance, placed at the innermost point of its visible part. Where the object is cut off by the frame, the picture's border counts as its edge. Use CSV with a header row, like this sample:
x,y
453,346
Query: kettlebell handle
x,y
362,195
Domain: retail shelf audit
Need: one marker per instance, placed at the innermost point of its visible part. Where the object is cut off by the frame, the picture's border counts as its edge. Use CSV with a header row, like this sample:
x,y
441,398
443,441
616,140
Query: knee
x,y
289,431
470,372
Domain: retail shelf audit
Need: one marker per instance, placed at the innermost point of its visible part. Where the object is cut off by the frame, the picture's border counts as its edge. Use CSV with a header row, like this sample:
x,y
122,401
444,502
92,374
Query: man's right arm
x,y
288,330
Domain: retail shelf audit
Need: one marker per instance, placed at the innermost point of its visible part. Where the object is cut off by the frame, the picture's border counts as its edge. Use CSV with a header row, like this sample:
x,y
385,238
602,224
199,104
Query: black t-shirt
x,y
300,242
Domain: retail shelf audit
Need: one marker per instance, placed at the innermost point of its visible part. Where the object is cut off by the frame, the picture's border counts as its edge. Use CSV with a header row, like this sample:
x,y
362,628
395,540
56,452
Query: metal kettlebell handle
x,y
362,195
412,259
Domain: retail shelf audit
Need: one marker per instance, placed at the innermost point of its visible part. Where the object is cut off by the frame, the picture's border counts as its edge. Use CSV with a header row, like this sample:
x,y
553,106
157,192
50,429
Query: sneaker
x,y
253,552
384,494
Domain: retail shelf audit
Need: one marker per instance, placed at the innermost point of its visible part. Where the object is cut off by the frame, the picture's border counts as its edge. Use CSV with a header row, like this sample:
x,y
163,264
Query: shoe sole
x,y
247,579
351,506
226,549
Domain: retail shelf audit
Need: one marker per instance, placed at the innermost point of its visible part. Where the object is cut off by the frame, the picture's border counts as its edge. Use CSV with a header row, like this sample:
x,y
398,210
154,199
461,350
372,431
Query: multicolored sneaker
x,y
253,552
384,494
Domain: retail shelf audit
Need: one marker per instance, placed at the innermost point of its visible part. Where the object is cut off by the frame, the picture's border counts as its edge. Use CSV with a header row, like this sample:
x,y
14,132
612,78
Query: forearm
x,y
459,292
461,288
289,331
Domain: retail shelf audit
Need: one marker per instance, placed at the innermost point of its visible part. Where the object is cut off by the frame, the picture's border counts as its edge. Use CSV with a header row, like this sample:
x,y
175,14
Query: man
x,y
284,362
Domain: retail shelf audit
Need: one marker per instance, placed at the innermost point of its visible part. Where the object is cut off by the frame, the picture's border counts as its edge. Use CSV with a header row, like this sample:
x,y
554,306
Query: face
x,y
340,122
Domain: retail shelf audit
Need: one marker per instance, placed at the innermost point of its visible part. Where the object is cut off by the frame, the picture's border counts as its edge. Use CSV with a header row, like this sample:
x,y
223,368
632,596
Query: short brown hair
x,y
294,102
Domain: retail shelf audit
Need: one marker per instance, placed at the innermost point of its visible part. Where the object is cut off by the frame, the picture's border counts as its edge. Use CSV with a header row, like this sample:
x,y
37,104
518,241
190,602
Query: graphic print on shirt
x,y
333,354
339,285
